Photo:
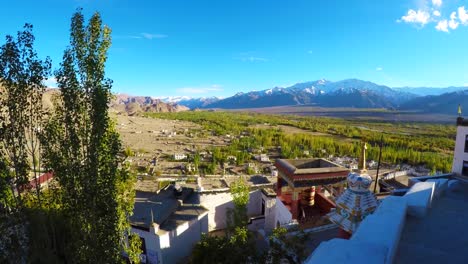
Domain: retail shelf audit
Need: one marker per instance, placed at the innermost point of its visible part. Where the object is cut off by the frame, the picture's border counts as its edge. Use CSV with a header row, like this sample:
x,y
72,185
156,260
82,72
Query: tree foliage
x,y
83,148
412,143
287,246
238,246
21,119
237,217
21,114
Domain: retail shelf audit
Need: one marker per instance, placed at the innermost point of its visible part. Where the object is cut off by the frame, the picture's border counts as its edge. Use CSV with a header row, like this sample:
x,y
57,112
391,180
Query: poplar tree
x,y
83,148
21,115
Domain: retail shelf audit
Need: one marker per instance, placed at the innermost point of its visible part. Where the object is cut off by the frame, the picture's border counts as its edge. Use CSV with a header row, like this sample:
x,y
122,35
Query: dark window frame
x,y
465,168
263,207
466,143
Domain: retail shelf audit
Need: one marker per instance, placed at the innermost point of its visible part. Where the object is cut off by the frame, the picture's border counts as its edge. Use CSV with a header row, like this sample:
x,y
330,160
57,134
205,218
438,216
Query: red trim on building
x,y
311,176
41,179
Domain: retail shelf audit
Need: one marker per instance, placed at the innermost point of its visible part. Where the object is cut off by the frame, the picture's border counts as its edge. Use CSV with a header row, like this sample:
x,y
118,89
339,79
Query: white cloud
x,y
418,17
200,90
253,59
143,35
249,57
153,36
442,25
453,24
453,16
379,69
421,17
437,3
462,15
51,82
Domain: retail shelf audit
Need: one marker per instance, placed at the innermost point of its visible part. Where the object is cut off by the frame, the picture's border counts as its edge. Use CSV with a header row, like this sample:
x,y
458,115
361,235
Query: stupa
x,y
357,201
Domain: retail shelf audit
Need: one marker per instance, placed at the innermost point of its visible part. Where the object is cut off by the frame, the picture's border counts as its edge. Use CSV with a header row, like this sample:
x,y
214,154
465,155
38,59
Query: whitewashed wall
x,y
152,244
218,203
172,246
182,240
270,212
460,155
283,216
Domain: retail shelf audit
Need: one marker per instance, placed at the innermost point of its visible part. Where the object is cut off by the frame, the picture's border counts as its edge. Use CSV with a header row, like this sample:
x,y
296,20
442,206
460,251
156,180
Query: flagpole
x,y
378,165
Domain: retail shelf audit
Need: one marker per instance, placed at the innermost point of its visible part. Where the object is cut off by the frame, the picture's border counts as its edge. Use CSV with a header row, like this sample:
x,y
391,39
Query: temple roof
x,y
308,166
310,172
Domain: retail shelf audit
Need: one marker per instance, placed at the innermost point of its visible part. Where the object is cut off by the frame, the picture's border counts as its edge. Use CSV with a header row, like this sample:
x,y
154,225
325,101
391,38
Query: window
x,y
263,207
465,168
466,143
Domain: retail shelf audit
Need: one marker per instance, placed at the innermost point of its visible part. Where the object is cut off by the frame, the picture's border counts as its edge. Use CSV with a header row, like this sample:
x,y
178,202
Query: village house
x,y
263,158
231,158
169,224
180,156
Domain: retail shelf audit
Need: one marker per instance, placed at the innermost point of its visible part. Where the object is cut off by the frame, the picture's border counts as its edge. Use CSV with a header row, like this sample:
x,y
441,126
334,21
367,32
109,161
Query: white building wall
x,y
172,246
254,208
153,251
270,213
218,203
283,216
459,153
183,239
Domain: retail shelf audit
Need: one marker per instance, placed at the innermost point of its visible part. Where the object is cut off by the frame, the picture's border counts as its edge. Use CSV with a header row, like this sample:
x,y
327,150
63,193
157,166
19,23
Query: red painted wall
x,y
323,202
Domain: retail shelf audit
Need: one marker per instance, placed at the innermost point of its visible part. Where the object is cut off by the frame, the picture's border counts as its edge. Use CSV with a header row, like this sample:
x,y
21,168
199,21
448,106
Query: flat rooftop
x,y
185,213
310,172
441,236
308,166
164,208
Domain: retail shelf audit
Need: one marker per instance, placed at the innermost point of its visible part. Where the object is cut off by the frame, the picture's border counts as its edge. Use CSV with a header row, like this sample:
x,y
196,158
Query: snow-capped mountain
x,y
173,99
325,93
346,93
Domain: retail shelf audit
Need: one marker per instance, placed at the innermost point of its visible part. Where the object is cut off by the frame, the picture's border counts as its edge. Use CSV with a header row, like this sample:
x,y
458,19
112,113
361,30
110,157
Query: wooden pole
x,y
378,165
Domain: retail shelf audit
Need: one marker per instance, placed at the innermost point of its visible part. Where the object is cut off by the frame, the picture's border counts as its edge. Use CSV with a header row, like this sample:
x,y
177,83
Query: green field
x,y
419,143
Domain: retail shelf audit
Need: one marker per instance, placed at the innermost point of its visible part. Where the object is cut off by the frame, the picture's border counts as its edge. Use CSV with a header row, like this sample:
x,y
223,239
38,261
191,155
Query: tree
x,y
238,246
237,217
284,246
21,112
21,120
135,245
83,149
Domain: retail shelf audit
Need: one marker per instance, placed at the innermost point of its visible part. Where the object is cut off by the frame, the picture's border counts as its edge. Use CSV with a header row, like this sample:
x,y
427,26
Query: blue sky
x,y
218,48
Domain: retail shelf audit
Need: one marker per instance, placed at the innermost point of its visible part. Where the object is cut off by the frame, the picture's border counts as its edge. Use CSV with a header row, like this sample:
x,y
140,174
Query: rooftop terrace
x,y
308,166
442,235
426,225
310,172
164,208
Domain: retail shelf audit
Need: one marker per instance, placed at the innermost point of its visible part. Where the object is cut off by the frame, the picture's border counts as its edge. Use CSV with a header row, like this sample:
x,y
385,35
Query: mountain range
x,y
134,105
346,93
125,104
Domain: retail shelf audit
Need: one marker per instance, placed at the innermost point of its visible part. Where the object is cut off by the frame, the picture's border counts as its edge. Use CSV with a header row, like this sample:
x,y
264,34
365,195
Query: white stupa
x,y
357,201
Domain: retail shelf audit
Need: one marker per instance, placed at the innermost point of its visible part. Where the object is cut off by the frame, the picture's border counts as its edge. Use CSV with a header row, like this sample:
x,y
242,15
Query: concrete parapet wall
x,y
376,239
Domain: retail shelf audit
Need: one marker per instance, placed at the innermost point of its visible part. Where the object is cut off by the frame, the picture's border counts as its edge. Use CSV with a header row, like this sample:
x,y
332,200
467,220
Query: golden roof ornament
x,y
362,159
459,110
